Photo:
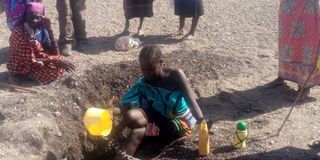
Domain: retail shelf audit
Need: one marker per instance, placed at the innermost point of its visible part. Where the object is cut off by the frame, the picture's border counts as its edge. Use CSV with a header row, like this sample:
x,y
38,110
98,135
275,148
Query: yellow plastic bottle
x,y
204,143
241,135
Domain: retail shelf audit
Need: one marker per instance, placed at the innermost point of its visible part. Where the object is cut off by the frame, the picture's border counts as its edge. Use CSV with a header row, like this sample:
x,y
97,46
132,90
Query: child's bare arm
x,y
188,94
115,111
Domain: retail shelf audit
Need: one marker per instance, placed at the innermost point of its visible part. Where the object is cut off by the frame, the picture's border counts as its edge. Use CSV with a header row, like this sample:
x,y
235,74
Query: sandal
x,y
304,95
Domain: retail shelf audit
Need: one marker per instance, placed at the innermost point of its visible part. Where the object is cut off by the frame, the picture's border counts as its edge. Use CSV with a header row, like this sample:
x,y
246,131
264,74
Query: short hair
x,y
151,53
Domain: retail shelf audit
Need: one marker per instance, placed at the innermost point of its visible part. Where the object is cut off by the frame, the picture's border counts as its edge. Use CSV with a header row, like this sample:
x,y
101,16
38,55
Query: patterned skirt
x,y
188,8
299,36
138,8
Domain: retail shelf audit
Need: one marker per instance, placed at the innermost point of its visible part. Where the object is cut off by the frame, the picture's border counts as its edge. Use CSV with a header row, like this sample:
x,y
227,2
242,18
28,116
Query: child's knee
x,y
138,133
134,119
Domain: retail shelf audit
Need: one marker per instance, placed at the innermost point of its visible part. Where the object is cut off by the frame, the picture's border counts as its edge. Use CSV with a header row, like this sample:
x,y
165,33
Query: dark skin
x,y
38,20
154,74
194,24
127,25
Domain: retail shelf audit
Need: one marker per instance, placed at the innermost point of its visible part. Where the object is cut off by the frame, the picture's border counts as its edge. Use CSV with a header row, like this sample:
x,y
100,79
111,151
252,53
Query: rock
x,y
76,107
271,142
57,114
70,82
39,115
51,156
59,134
2,117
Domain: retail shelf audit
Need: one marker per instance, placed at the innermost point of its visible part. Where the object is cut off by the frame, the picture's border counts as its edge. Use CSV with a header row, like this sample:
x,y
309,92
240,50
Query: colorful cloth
x,y
35,7
188,8
299,35
24,50
15,10
138,8
170,104
42,36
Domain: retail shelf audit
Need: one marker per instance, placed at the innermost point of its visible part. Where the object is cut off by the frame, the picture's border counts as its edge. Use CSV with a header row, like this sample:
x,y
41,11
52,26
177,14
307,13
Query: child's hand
x,y
111,114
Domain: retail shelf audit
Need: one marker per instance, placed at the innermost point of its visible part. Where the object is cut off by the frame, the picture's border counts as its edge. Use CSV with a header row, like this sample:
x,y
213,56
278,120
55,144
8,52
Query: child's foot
x,y
305,93
275,83
178,33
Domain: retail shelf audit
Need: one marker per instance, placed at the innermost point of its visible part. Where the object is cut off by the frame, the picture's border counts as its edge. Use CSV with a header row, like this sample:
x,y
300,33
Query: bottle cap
x,y
242,126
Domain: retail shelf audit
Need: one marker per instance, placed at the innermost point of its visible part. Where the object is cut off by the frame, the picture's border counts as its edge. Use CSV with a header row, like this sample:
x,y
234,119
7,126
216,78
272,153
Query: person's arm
x,y
188,94
118,110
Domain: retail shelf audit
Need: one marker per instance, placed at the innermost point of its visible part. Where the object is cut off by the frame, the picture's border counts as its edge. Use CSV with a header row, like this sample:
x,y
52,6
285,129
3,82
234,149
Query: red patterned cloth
x,y
24,50
299,36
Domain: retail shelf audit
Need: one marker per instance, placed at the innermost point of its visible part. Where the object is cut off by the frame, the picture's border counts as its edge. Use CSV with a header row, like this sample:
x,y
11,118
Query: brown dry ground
x,y
232,57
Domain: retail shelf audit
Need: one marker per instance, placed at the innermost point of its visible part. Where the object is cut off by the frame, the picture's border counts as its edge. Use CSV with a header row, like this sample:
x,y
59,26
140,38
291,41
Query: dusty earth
x,y
232,57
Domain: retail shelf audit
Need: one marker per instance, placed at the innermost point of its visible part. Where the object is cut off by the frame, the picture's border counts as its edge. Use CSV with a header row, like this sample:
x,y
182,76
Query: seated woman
x,y
15,12
27,57
158,104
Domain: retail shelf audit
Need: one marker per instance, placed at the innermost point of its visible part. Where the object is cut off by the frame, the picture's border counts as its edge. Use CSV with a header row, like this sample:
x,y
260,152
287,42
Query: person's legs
x,y
181,26
65,26
194,24
78,8
140,32
136,120
126,26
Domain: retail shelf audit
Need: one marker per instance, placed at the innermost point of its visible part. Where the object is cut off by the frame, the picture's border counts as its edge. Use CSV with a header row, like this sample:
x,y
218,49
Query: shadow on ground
x,y
4,52
246,104
284,153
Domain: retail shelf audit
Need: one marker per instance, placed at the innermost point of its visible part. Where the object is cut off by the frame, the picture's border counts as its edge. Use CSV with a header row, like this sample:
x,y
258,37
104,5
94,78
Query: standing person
x,y
72,25
137,9
299,37
185,9
27,58
161,103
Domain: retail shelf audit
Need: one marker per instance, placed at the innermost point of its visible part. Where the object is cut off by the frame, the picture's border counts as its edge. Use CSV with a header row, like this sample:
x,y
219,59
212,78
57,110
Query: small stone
x,y
51,104
57,114
39,114
272,142
59,134
76,107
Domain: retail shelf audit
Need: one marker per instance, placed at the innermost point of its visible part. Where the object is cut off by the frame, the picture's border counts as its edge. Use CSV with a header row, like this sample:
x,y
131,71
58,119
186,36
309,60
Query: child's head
x,y
150,59
34,14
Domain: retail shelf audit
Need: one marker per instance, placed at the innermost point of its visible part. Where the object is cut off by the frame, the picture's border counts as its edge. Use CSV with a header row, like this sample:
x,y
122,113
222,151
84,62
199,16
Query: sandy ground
x,y
233,55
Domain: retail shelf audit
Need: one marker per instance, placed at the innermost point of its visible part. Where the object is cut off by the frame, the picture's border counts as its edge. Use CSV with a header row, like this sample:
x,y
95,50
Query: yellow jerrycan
x,y
98,121
204,139
241,135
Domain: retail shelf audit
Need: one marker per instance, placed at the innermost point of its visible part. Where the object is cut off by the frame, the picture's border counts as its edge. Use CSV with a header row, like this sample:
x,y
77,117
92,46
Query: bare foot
x,y
187,37
178,33
303,96
275,83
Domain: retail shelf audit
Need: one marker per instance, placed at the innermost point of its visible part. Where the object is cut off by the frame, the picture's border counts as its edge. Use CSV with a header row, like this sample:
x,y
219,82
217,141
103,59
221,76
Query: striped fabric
x,y
171,104
24,50
138,8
